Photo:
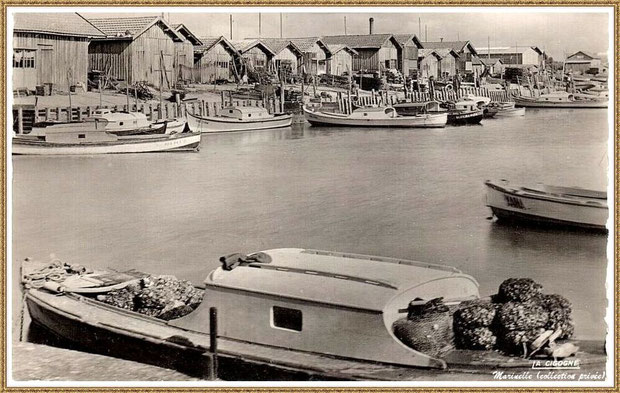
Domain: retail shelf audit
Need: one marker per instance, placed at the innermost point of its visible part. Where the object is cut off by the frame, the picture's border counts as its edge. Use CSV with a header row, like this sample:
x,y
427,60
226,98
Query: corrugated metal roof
x,y
366,41
347,280
69,24
132,26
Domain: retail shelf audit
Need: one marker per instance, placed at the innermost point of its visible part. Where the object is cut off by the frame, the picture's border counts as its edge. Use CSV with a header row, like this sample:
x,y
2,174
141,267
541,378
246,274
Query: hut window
x,y
81,136
23,58
286,318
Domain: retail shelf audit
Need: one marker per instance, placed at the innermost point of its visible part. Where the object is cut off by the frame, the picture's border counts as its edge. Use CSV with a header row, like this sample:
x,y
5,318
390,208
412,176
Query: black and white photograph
x,y
310,196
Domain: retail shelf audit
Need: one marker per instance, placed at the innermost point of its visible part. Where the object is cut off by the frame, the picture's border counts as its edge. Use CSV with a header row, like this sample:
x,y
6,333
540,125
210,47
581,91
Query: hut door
x,y
45,67
24,69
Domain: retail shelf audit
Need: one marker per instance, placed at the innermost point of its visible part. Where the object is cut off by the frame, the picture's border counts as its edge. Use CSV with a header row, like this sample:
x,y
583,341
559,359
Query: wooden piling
x,y
20,120
213,340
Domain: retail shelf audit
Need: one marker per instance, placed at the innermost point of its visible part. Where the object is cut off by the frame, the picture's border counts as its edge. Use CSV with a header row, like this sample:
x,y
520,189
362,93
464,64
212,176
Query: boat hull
x,y
421,121
469,117
222,124
513,112
582,104
510,204
124,145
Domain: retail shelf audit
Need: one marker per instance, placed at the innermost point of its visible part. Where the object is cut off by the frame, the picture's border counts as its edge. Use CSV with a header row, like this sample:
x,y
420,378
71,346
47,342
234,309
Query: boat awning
x,y
335,278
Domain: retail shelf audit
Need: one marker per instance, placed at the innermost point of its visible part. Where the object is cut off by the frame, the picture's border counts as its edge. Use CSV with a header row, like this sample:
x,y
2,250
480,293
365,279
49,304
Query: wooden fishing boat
x,y
375,117
464,112
560,100
303,313
238,118
91,137
543,204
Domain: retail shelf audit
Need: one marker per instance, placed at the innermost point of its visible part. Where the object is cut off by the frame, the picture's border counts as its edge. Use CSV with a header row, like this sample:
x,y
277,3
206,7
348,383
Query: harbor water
x,y
415,194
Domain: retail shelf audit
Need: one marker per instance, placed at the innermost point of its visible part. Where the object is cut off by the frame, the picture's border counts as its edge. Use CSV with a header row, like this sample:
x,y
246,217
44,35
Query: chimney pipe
x,y
371,22
441,39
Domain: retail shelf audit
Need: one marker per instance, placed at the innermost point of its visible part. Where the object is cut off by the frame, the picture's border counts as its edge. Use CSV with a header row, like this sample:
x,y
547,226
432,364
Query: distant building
x,y
411,45
526,55
136,49
581,62
464,49
495,66
288,57
376,52
341,60
51,48
315,55
214,60
185,52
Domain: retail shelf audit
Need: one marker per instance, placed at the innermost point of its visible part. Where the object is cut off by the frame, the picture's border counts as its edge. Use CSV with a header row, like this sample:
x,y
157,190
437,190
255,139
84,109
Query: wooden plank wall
x,y
207,69
67,53
110,55
145,56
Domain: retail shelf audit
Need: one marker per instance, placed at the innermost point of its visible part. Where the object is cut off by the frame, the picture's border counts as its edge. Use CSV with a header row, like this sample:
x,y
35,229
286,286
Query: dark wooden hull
x,y
513,217
465,118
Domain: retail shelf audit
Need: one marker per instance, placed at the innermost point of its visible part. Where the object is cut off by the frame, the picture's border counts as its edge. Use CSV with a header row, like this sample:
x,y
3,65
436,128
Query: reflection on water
x,y
414,194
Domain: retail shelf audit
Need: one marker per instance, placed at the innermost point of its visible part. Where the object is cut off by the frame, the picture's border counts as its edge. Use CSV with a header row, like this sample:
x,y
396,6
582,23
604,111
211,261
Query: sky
x,y
558,33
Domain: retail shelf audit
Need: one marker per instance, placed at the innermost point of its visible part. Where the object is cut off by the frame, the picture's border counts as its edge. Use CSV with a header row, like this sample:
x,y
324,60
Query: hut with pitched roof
x,y
315,55
341,60
411,45
214,60
376,52
51,48
184,59
581,62
136,49
288,57
522,55
255,53
464,49
429,64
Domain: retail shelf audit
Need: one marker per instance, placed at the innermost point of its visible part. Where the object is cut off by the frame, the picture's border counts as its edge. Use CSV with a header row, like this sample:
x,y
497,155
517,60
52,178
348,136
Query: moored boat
x,y
375,117
293,310
550,205
91,137
238,118
464,112
560,100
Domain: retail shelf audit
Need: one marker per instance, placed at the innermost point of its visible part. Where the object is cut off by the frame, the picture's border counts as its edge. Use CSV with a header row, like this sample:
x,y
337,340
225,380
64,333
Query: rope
x,y
56,271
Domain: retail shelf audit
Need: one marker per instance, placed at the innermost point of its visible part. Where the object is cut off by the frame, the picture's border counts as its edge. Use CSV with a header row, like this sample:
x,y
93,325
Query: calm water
x,y
414,194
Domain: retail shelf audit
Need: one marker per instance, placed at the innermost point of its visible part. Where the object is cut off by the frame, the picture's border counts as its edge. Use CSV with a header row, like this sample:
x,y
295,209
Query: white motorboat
x,y
376,117
544,204
91,137
238,118
561,100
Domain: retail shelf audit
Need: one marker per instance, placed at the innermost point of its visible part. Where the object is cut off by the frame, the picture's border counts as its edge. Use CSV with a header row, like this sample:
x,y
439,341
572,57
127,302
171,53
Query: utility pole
x,y
489,47
345,25
425,33
280,25
231,26
419,27
259,25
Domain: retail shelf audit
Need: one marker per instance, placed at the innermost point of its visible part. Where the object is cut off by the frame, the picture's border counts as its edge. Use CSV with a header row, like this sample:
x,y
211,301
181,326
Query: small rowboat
x,y
246,118
301,313
543,204
91,138
376,117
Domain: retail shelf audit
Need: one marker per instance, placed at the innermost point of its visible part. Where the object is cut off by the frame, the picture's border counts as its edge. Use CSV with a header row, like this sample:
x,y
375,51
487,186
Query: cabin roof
x,y
507,50
456,45
245,45
335,48
187,33
334,278
424,53
306,44
65,24
207,43
361,41
404,38
277,45
133,27
247,109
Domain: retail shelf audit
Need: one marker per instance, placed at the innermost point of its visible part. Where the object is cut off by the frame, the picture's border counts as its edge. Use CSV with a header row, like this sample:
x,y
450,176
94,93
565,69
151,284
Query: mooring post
x,y
213,340
20,120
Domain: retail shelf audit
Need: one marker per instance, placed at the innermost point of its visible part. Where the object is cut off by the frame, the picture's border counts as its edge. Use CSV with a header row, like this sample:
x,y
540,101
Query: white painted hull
x,y
421,121
141,144
535,103
222,124
514,203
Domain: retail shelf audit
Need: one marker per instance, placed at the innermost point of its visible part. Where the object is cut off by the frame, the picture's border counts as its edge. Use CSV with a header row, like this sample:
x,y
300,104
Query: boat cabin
x,y
419,108
76,133
379,112
121,121
245,112
324,302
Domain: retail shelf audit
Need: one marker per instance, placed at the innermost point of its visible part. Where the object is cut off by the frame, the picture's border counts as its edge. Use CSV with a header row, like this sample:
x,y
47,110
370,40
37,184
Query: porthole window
x,y
286,318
